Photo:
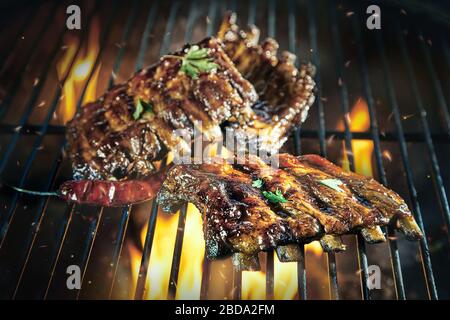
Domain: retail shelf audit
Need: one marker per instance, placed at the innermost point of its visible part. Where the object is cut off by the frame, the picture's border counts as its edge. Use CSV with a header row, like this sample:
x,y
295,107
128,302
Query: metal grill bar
x,y
375,135
143,270
432,291
173,279
23,67
321,134
170,23
362,257
437,89
331,257
63,234
301,270
212,18
145,36
6,219
206,267
123,225
252,12
148,244
31,102
33,232
129,26
152,220
92,234
205,279
446,115
94,224
405,158
171,293
70,209
427,132
125,211
237,275
122,228
24,26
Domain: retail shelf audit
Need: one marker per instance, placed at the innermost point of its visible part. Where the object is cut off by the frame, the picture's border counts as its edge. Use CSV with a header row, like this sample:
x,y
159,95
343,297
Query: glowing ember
x,y
387,155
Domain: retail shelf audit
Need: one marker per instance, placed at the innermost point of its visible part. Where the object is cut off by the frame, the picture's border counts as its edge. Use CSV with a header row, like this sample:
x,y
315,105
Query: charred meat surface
x,y
373,195
236,216
108,139
249,206
285,92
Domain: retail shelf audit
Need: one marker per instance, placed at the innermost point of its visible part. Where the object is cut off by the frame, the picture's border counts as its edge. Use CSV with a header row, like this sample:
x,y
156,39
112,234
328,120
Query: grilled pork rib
x,y
318,201
107,142
285,92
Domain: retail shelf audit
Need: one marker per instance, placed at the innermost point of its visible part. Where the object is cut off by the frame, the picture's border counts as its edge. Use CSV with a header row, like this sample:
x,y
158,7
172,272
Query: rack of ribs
x,y
251,92
105,141
285,92
248,206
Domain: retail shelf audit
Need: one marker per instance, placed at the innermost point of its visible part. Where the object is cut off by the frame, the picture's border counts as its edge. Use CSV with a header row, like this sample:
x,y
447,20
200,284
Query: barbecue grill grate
x,y
400,72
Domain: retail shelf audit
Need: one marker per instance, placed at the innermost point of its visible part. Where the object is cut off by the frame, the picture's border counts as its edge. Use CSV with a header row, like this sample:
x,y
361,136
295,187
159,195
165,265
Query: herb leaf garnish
x,y
142,107
257,183
332,183
196,61
274,197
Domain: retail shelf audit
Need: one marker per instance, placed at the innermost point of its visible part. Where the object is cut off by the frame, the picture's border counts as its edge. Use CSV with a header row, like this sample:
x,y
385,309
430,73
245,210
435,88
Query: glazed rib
x,y
285,92
236,218
239,219
372,194
106,142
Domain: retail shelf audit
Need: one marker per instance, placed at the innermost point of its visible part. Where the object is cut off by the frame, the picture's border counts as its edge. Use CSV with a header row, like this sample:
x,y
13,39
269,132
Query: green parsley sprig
x,y
196,61
276,197
142,108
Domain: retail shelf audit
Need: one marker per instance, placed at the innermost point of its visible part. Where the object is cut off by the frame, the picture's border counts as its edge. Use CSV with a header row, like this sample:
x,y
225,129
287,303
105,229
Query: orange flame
x,y
161,257
359,121
191,261
253,285
79,73
314,247
285,280
193,252
135,261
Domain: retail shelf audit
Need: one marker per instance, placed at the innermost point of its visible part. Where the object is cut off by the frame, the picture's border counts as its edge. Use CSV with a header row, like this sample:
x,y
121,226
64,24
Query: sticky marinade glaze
x,y
248,89
120,135
285,92
248,206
